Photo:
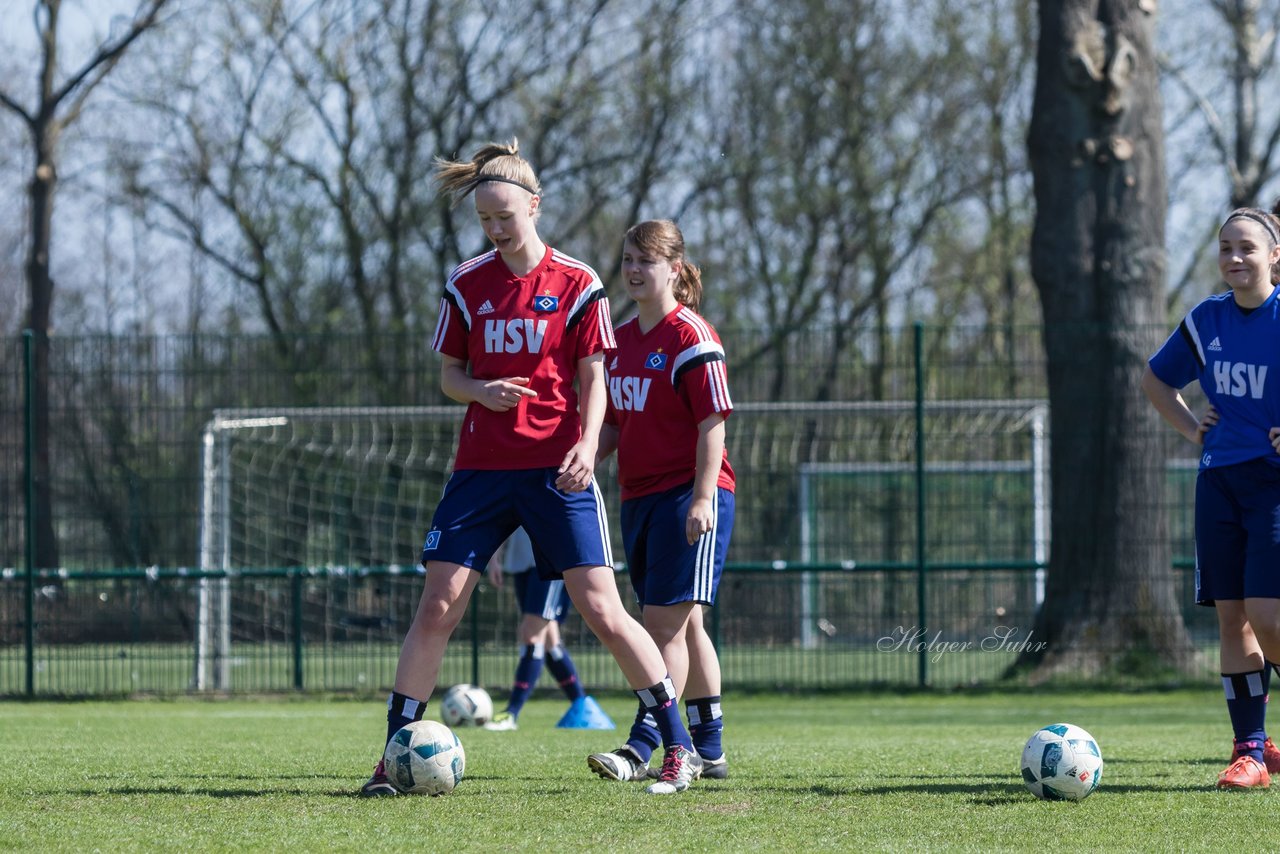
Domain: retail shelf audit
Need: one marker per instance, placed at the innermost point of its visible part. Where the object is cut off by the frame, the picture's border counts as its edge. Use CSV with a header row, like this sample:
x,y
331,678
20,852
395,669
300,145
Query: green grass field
x,y
905,772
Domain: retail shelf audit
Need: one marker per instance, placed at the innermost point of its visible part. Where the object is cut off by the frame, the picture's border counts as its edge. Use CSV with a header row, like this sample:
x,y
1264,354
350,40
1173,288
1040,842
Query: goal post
x,y
322,487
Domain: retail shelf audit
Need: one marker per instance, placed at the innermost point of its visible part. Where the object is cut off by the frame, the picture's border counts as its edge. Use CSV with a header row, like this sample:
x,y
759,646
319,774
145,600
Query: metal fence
x,y
891,527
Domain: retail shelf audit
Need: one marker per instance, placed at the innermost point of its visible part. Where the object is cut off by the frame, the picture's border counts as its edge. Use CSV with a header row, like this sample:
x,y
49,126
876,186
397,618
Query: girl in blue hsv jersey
x,y
1230,343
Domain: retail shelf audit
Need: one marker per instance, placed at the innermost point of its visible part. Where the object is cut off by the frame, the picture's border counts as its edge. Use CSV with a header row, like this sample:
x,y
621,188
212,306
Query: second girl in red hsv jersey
x,y
675,375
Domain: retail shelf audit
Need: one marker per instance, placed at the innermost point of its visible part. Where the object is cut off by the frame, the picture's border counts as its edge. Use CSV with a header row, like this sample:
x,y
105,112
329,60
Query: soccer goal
x,y
828,485
326,488
979,496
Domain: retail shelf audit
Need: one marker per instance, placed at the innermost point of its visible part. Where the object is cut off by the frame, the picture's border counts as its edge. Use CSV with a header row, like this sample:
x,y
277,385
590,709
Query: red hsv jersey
x,y
662,384
535,326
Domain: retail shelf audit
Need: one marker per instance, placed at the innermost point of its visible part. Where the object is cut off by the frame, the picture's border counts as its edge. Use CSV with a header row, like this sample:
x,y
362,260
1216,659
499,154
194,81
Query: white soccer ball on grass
x,y
466,705
1061,762
424,758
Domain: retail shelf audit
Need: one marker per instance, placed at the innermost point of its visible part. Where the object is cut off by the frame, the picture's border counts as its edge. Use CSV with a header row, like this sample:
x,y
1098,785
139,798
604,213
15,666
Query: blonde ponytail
x,y
492,162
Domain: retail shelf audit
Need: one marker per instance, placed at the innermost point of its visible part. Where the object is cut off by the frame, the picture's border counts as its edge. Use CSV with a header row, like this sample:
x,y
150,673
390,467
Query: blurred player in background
x,y
543,604
1230,343
522,334
668,401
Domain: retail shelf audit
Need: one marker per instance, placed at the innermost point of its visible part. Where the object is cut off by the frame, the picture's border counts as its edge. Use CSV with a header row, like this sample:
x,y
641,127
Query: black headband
x,y
1261,220
480,179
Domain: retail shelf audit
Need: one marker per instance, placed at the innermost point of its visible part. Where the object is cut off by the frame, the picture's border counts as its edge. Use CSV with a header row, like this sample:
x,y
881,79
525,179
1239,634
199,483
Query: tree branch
x,y
101,63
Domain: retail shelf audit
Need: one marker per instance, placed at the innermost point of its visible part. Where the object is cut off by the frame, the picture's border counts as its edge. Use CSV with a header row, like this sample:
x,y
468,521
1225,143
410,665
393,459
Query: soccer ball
x,y
466,705
424,758
1061,762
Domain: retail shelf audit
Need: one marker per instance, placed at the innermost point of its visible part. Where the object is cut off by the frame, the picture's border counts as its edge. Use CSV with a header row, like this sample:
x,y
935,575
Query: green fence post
x,y
29,636
295,583
920,521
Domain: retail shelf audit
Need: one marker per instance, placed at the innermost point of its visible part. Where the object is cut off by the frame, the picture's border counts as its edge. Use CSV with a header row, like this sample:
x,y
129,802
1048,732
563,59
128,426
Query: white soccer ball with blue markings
x,y
425,758
1061,762
466,705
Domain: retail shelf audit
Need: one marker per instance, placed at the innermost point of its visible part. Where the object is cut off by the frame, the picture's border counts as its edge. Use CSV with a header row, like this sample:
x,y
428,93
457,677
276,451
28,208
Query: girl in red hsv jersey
x,y
518,325
668,401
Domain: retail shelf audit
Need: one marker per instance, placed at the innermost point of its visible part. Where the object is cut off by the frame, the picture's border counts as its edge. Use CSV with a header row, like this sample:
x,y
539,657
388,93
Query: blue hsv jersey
x,y
1236,358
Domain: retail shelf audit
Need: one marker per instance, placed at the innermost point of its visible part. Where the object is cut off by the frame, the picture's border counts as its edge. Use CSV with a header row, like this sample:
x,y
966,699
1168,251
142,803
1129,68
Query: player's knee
x,y
605,621
437,615
1264,619
664,635
1267,631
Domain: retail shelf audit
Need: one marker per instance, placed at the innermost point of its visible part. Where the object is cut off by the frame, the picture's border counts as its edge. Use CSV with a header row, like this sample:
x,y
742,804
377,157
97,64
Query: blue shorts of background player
x,y
540,597
544,603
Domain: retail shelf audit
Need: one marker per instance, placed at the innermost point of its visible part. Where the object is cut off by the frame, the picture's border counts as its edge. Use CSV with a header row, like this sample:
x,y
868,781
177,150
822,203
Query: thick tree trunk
x,y
1098,260
41,303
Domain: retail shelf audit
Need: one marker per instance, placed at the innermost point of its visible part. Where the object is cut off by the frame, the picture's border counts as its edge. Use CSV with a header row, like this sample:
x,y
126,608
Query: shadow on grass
x,y
214,791
978,789
993,792
185,792
1218,762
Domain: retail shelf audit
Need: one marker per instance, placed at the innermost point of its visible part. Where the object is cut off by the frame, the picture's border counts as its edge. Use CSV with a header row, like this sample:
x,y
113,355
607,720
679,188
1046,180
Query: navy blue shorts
x,y
664,568
1238,532
541,597
480,509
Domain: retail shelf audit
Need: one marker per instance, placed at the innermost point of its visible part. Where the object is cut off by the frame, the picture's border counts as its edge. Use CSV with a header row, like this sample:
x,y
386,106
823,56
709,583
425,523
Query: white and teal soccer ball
x,y
425,758
1061,762
466,705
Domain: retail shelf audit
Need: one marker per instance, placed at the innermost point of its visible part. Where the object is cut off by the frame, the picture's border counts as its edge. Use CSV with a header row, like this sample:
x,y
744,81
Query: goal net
x,y
338,489
821,486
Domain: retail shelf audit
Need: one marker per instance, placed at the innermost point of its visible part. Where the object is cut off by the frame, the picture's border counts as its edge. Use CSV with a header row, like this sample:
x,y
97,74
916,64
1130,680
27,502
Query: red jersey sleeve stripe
x,y
719,378
471,263
606,326
594,291
703,351
442,324
707,351
564,259
717,382
453,293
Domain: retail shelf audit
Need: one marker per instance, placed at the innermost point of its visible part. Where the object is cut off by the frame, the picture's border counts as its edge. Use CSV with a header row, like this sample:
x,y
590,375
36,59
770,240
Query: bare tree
x,y
1231,129
854,145
1098,259
979,273
298,161
59,100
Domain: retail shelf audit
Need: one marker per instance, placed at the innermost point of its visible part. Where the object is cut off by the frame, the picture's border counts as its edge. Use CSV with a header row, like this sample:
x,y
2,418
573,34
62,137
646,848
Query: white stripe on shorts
x,y
603,518
704,564
552,600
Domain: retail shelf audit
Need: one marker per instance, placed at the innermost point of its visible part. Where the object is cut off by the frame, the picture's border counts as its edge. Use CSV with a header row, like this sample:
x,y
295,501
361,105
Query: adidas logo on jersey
x,y
487,308
1215,345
